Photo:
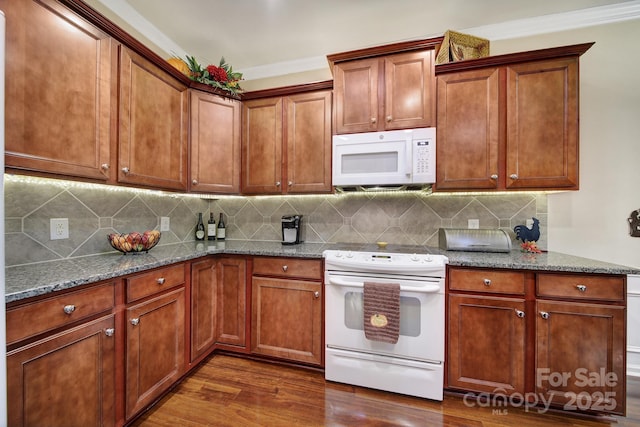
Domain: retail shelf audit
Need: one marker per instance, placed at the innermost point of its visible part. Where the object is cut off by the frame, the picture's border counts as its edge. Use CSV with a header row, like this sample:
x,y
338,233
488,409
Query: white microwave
x,y
397,157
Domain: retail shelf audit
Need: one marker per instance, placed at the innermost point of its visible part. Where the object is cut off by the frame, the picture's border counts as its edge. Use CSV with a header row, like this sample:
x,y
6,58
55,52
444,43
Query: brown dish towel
x,y
382,312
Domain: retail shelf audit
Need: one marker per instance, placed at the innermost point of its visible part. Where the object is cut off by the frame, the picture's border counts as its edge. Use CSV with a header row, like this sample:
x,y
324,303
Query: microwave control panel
x,y
424,160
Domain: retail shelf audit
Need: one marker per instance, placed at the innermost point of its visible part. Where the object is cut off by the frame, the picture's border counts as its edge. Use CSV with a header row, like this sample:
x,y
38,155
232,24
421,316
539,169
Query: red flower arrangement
x,y
220,76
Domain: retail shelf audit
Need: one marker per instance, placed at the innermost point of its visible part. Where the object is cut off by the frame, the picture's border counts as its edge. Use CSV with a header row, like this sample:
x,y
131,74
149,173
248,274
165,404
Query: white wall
x,y
592,222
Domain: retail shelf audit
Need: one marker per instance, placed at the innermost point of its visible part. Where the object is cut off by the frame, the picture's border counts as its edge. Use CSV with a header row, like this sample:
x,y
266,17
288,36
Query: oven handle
x,y
428,289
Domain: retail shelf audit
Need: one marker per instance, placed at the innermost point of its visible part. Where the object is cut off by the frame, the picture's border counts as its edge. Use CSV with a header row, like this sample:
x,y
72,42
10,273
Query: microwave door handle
x,y
427,289
409,157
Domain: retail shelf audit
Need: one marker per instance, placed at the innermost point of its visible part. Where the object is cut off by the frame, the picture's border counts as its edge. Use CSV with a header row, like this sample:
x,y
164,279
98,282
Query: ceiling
x,y
262,37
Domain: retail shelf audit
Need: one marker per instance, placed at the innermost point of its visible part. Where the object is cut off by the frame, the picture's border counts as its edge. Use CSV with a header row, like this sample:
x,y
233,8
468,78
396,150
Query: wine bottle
x,y
211,227
200,228
221,228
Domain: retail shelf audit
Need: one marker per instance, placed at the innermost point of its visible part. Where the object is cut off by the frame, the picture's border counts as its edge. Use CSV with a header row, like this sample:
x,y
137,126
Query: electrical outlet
x,y
165,223
473,223
59,228
529,223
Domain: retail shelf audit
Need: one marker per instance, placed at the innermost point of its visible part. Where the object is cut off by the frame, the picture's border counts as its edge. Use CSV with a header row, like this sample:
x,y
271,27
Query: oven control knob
x,y
429,259
414,258
349,254
338,254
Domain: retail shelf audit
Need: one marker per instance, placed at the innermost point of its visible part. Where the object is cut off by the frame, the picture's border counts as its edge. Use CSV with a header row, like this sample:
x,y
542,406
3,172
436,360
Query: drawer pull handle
x,y
135,321
487,282
160,280
125,171
285,268
519,313
68,309
494,176
513,176
316,294
544,315
109,332
581,288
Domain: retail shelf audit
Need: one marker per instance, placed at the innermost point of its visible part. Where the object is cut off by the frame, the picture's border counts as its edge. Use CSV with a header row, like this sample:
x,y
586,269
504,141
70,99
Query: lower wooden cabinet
x,y
66,379
231,312
580,353
155,350
558,337
287,319
486,344
204,296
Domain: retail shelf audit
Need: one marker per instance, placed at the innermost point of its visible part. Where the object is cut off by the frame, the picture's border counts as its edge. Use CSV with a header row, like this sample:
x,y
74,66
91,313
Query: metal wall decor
x,y
634,223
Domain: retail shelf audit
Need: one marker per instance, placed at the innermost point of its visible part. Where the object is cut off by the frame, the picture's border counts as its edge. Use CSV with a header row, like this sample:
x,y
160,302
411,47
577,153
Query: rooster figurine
x,y
528,234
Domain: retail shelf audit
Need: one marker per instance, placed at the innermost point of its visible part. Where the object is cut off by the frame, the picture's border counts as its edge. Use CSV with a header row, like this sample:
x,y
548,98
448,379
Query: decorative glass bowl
x,y
134,242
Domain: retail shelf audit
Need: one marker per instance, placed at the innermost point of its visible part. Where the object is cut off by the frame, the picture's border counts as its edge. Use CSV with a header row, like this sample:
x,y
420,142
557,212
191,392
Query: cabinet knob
x,y
285,268
160,280
494,176
125,170
513,176
520,313
544,314
389,118
487,282
109,332
290,183
316,294
373,120
278,183
194,182
135,321
68,309
581,288
105,166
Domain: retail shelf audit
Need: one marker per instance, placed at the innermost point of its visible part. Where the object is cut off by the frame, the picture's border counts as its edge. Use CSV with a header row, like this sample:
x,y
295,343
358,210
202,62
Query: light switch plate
x,y
59,228
165,223
473,223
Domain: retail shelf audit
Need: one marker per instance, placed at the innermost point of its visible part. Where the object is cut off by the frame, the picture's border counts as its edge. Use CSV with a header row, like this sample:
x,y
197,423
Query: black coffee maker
x,y
291,229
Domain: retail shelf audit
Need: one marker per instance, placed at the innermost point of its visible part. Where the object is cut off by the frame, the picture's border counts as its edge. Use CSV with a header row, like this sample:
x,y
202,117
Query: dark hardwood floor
x,y
233,391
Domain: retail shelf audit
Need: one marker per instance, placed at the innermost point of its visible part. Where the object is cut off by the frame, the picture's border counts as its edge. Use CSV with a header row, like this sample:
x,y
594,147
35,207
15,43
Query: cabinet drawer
x,y
490,281
288,267
46,315
146,284
581,286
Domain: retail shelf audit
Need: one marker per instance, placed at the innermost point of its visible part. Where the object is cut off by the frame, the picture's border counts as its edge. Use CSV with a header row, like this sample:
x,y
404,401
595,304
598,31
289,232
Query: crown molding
x,y
600,15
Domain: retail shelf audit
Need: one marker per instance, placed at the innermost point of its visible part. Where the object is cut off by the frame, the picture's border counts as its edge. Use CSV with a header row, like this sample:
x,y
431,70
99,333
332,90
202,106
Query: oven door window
x,y
409,313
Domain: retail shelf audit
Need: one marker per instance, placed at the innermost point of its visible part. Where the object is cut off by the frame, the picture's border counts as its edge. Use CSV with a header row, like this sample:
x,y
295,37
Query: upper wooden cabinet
x,y
215,143
509,122
286,144
385,93
153,122
60,91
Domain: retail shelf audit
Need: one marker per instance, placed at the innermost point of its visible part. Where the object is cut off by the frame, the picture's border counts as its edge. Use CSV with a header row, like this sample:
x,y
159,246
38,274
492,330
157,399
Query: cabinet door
x,y
152,125
542,125
66,379
59,86
287,319
262,146
409,90
308,142
580,355
215,143
204,295
232,301
355,84
486,344
468,130
155,351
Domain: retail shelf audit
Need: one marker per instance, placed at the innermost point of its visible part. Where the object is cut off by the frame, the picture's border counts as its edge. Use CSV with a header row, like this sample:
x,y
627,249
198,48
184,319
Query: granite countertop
x,y
46,277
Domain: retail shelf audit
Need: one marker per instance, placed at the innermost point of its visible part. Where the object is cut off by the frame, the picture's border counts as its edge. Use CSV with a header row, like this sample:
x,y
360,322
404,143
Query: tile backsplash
x,y
95,211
